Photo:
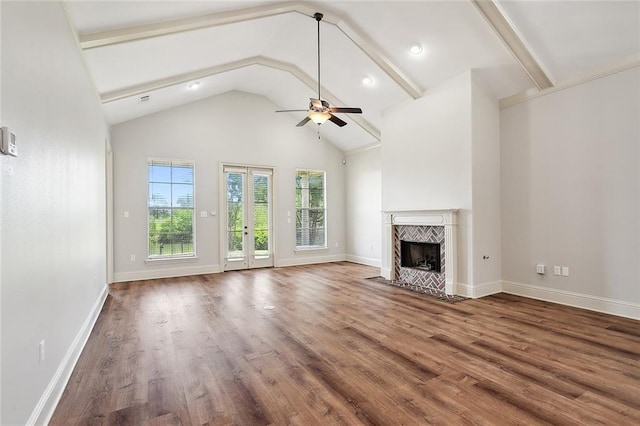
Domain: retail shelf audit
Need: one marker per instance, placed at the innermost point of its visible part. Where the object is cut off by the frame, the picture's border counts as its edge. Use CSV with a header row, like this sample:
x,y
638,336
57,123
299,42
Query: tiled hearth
x,y
429,226
423,280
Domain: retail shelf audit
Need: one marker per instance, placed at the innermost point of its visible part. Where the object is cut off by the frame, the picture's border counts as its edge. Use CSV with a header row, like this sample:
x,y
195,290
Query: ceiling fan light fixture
x,y
318,117
319,110
415,48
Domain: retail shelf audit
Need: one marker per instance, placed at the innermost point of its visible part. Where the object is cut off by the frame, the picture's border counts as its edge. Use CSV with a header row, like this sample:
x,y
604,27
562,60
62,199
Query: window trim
x,y
324,247
157,259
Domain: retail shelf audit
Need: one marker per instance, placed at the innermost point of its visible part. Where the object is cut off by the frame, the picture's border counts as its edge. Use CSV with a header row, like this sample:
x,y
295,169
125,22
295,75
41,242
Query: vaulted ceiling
x,y
135,49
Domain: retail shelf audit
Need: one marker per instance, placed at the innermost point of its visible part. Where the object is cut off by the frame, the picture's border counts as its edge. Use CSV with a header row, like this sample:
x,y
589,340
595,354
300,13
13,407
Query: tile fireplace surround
x,y
429,224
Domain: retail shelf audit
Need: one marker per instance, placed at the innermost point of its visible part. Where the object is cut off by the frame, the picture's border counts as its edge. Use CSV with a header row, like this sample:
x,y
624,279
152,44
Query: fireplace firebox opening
x,y
423,256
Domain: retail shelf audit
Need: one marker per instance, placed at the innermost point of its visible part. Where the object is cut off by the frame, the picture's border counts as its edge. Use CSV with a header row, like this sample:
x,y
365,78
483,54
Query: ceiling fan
x,y
319,110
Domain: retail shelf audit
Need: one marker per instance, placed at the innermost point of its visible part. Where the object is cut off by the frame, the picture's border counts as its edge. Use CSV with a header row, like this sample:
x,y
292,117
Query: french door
x,y
248,215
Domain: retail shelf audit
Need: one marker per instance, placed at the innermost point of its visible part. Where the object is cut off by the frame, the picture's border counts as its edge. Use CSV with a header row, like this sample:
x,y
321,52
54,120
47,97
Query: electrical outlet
x,y
556,270
565,271
133,257
41,352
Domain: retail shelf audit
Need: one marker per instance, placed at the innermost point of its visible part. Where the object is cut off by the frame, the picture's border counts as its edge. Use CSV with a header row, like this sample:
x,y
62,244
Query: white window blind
x,y
311,229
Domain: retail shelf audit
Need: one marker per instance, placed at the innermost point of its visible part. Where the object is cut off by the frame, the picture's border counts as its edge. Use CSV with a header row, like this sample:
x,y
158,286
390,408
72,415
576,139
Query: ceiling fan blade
x,y
304,121
347,110
319,107
337,121
292,110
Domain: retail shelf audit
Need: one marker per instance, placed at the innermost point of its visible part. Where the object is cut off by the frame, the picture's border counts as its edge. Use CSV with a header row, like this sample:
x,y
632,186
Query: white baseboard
x,y
297,261
480,290
385,273
364,260
593,303
49,400
152,274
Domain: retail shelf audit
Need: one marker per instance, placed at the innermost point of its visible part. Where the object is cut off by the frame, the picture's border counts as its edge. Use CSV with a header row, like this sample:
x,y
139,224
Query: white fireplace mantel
x,y
447,218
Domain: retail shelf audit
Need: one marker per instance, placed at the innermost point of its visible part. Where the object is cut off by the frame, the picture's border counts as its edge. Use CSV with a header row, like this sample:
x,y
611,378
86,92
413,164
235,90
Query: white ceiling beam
x,y
364,148
368,46
141,32
514,42
163,83
243,63
347,27
533,94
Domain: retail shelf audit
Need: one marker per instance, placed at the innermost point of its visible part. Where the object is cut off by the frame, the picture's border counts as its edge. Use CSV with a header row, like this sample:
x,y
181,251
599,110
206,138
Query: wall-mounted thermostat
x,y
8,144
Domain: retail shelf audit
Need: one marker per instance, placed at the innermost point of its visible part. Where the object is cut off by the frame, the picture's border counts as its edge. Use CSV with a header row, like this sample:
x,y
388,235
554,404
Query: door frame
x,y
109,205
222,205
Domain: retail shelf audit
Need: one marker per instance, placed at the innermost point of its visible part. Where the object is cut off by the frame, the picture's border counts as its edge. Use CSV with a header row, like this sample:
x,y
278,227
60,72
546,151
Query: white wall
x,y
1,212
426,150
442,151
53,267
364,204
571,193
234,127
485,154
426,157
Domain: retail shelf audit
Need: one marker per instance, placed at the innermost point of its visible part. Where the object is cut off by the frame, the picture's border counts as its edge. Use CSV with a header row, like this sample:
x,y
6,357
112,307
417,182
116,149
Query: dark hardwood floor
x,y
340,349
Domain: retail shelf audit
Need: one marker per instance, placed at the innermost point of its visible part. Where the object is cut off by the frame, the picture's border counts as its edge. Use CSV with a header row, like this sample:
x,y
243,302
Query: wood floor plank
x,y
341,349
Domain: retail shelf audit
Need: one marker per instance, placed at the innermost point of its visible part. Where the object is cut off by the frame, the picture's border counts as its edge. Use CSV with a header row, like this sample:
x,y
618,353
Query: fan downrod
x,y
319,108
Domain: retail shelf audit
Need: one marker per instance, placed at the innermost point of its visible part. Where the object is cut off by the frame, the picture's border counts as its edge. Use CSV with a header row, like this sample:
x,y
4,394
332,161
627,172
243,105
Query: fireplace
x,y
419,249
419,255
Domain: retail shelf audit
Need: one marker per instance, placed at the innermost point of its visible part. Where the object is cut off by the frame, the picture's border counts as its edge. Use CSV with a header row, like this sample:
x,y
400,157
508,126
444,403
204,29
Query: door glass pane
x,y
235,215
261,215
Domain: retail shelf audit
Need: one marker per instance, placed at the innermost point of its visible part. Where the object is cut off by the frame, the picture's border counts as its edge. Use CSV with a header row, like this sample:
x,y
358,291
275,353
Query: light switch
x,y
8,142
203,214
556,270
126,215
565,271
540,269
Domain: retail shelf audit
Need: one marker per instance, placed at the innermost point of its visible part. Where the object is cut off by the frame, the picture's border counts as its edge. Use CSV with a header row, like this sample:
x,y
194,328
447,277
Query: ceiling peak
x,y
349,29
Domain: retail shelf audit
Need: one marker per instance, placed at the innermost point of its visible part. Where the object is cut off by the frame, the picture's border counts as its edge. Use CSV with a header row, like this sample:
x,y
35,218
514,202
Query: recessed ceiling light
x,y
415,48
367,81
194,85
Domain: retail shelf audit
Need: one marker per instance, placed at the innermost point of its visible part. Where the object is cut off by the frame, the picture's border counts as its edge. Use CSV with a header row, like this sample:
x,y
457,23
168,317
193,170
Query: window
x,y
170,206
311,229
